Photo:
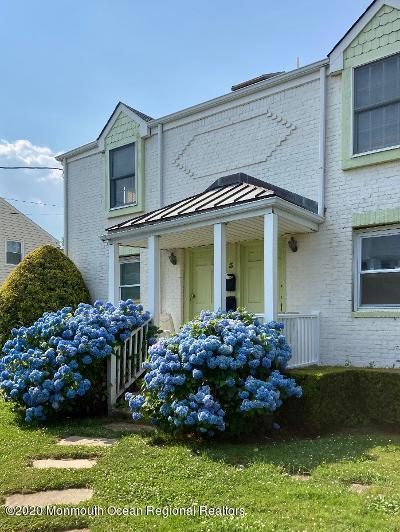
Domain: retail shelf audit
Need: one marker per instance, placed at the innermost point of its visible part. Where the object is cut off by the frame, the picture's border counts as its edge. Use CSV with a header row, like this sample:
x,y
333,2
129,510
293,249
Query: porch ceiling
x,y
236,231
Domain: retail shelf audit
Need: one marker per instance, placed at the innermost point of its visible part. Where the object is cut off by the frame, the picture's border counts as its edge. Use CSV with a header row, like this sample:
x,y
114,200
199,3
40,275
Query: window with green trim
x,y
377,273
377,105
122,176
130,278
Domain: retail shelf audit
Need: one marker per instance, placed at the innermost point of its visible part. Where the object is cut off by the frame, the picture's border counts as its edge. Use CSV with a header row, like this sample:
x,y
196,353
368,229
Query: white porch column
x,y
219,267
113,273
154,277
270,266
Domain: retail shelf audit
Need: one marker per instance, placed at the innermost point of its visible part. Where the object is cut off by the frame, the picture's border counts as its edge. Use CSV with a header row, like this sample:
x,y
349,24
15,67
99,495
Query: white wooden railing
x,y
126,364
302,334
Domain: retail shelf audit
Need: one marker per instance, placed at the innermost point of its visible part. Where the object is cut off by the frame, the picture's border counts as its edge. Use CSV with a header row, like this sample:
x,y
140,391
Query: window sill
x,y
369,158
123,211
376,313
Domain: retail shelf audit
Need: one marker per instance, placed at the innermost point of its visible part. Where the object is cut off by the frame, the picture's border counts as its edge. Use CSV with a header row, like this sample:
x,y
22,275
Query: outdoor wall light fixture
x,y
172,258
293,244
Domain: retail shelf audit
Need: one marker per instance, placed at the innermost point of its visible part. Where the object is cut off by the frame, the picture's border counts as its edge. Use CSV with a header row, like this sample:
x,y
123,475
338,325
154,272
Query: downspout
x,y
65,176
322,140
160,166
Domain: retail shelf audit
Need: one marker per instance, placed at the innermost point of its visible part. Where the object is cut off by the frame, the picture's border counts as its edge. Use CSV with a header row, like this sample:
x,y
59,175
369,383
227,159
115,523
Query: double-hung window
x,y
122,176
378,269
13,252
376,101
130,278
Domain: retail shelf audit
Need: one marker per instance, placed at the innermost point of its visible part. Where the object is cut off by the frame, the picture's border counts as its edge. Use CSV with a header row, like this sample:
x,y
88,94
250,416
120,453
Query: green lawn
x,y
147,470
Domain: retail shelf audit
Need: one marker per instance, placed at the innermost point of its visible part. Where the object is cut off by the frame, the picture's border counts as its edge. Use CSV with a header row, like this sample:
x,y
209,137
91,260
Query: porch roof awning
x,y
227,192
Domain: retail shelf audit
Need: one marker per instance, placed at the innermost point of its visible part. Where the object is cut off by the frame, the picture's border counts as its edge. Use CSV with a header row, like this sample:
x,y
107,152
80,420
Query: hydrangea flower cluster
x,y
46,366
221,367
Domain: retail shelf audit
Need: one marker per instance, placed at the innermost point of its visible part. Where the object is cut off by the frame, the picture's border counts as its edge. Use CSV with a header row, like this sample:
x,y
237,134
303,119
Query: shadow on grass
x,y
291,455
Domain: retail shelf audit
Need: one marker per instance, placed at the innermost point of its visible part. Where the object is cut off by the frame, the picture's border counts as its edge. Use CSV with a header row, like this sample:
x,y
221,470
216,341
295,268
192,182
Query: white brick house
x,y
19,235
328,134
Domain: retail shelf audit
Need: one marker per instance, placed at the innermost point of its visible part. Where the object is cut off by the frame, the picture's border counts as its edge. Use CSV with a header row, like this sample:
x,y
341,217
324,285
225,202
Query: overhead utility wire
x,y
31,168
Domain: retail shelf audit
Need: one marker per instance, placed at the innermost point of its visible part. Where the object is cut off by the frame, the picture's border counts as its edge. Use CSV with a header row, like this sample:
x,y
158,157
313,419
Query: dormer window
x,y
122,176
377,105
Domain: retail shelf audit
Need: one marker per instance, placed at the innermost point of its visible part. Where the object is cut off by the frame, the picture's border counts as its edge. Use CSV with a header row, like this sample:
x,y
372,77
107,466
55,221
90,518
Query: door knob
x,y
192,296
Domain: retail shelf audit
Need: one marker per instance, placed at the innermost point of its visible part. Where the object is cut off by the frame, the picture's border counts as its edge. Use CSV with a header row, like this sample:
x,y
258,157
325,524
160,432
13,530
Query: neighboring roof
x,y
28,220
252,81
224,192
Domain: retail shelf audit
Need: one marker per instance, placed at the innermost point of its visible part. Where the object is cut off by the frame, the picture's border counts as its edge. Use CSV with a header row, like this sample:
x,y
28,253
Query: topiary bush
x,y
220,373
44,281
49,366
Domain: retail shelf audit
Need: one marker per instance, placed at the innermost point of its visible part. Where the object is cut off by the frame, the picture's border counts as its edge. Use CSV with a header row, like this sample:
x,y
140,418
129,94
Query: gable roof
x,y
336,54
352,26
120,107
226,191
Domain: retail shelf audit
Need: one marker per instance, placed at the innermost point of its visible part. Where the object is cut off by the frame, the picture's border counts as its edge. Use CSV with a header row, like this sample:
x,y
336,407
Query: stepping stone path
x,y
66,496
121,426
303,477
83,440
79,463
43,498
359,488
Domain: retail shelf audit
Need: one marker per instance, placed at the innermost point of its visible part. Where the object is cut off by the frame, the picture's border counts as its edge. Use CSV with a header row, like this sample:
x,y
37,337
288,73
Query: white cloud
x,y
24,153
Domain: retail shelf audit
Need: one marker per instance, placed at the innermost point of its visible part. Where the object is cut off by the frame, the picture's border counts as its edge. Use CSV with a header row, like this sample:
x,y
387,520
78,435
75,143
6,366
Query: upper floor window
x,y
378,268
13,252
377,105
122,176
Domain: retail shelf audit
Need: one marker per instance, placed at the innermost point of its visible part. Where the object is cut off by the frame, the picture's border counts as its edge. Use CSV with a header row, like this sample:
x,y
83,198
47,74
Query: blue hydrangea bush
x,y
48,367
218,374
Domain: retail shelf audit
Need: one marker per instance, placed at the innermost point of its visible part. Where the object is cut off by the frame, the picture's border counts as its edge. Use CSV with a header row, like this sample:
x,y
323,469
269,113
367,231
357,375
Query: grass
x,y
150,470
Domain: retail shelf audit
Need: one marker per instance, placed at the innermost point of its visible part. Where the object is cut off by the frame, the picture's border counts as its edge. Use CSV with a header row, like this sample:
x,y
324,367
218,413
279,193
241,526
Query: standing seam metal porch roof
x,y
226,191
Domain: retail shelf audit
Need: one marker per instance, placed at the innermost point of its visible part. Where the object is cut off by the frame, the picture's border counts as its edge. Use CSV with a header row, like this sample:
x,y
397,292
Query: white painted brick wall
x,y
86,222
319,275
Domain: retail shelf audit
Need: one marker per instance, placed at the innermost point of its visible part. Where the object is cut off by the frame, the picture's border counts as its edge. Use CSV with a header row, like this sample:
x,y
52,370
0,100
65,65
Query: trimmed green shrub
x,y
335,397
44,281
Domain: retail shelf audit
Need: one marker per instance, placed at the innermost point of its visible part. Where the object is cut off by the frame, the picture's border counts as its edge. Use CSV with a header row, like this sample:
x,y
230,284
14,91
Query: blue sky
x,y
65,64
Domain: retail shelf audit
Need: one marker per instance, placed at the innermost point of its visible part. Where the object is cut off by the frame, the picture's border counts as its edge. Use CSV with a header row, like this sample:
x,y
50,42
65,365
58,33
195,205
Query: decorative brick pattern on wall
x,y
267,132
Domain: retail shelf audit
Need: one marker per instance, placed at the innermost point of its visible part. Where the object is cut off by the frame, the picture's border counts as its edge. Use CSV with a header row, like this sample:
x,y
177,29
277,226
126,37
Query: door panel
x,y
252,278
201,291
252,275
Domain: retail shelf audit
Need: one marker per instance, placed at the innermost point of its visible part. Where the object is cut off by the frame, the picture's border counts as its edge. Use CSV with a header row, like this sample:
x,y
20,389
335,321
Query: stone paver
x,y
85,440
42,498
72,463
359,488
122,426
302,477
